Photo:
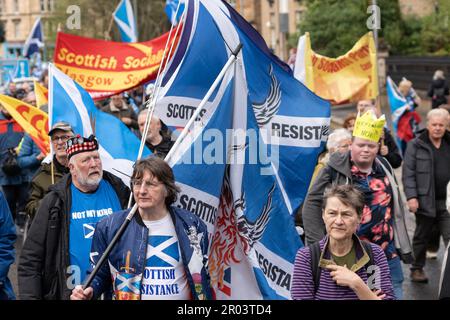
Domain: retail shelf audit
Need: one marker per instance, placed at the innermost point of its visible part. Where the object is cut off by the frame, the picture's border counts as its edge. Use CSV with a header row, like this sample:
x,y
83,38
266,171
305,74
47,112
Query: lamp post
x,y
284,26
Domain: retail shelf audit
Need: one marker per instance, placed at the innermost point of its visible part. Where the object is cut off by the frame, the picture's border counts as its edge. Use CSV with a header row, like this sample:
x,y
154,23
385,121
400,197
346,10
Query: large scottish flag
x,y
290,113
35,39
124,17
247,162
69,102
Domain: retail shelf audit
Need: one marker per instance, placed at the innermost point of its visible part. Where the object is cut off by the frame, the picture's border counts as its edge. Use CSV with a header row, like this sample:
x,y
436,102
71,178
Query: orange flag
x,y
41,93
33,120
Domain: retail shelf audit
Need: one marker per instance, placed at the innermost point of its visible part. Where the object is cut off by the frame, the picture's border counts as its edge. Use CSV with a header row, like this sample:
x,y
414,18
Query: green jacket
x,y
40,183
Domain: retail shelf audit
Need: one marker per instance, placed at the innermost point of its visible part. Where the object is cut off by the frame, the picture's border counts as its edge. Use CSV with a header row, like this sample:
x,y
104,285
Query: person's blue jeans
x,y
395,266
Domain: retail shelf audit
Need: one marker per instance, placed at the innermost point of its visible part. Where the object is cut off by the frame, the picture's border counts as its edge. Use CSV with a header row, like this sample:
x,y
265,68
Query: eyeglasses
x,y
60,138
137,183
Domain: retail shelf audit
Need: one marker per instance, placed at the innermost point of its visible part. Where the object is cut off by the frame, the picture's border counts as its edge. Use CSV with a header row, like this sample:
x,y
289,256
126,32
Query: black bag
x,y
10,165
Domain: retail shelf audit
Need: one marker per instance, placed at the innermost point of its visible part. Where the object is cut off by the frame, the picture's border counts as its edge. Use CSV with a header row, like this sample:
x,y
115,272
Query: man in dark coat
x,y
55,254
426,174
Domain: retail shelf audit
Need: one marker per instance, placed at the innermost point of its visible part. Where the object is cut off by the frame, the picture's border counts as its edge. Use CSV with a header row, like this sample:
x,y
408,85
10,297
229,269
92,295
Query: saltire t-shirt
x,y
164,277
87,209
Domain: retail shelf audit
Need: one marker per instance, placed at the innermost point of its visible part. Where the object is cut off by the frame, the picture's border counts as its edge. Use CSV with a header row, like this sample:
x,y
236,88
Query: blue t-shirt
x,y
87,209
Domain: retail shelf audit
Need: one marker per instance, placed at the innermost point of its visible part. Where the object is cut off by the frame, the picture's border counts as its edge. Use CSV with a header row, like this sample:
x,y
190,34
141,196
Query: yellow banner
x,y
41,93
348,78
33,120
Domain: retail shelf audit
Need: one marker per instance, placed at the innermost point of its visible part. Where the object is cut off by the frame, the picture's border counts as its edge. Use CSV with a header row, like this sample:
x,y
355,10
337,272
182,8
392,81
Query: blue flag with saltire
x,y
124,18
35,40
247,200
69,102
171,10
282,105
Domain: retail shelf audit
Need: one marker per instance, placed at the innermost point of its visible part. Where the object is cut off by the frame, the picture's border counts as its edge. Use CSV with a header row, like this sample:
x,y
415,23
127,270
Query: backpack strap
x,y
368,249
315,257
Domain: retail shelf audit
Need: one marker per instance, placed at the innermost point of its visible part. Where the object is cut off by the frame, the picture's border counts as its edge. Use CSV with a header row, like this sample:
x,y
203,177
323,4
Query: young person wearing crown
x,y
373,176
55,255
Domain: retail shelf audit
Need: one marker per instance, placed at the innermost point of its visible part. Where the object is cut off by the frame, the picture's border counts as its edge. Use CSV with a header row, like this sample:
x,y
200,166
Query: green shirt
x,y
349,259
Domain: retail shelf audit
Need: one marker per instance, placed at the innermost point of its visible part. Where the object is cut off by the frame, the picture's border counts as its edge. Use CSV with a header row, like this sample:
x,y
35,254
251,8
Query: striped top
x,y
303,283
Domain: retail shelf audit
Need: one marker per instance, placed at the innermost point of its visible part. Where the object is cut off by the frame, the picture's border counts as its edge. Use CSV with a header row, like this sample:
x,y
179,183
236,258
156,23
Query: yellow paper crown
x,y
369,127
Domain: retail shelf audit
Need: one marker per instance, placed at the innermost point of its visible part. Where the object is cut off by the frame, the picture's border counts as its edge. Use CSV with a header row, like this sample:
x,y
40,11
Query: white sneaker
x,y
431,254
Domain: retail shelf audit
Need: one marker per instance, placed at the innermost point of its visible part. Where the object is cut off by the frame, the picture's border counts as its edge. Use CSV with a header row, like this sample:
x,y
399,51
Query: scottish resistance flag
x,y
284,107
246,164
124,17
35,39
69,102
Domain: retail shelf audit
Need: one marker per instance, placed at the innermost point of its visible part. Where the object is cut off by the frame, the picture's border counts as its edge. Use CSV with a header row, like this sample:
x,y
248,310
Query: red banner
x,y
105,68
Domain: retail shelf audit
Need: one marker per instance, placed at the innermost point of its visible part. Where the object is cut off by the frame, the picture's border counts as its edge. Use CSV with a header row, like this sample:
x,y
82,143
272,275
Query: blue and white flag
x,y
171,10
69,102
283,106
35,39
124,17
247,162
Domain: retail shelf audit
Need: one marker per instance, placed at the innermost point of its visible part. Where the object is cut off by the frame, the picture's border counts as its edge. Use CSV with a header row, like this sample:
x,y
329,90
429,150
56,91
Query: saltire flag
x,y
33,120
124,17
404,119
247,206
35,39
171,10
69,102
282,105
41,93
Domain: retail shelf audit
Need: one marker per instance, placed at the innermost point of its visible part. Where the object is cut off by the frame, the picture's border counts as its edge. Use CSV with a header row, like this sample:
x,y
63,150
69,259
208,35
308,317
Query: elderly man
x,y
50,173
158,137
426,174
373,176
388,147
55,254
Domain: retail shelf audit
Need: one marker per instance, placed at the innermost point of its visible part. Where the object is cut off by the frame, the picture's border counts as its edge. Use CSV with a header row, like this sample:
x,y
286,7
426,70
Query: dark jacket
x,y
338,171
192,239
163,148
27,160
7,252
393,157
418,173
42,269
40,183
438,92
10,135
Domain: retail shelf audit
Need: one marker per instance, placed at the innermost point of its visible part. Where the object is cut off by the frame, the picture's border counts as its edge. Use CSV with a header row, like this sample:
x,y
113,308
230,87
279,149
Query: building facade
x,y
18,17
274,20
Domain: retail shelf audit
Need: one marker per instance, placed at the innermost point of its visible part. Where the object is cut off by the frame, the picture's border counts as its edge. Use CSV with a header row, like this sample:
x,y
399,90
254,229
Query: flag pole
x,y
108,32
130,215
152,100
110,247
185,131
375,36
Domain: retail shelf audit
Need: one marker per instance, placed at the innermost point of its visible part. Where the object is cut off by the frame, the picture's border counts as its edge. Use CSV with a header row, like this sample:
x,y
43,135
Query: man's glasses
x,y
60,138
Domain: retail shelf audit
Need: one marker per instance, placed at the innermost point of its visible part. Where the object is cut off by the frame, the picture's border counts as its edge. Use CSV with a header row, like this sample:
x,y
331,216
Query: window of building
x,y
49,5
16,5
42,5
16,28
